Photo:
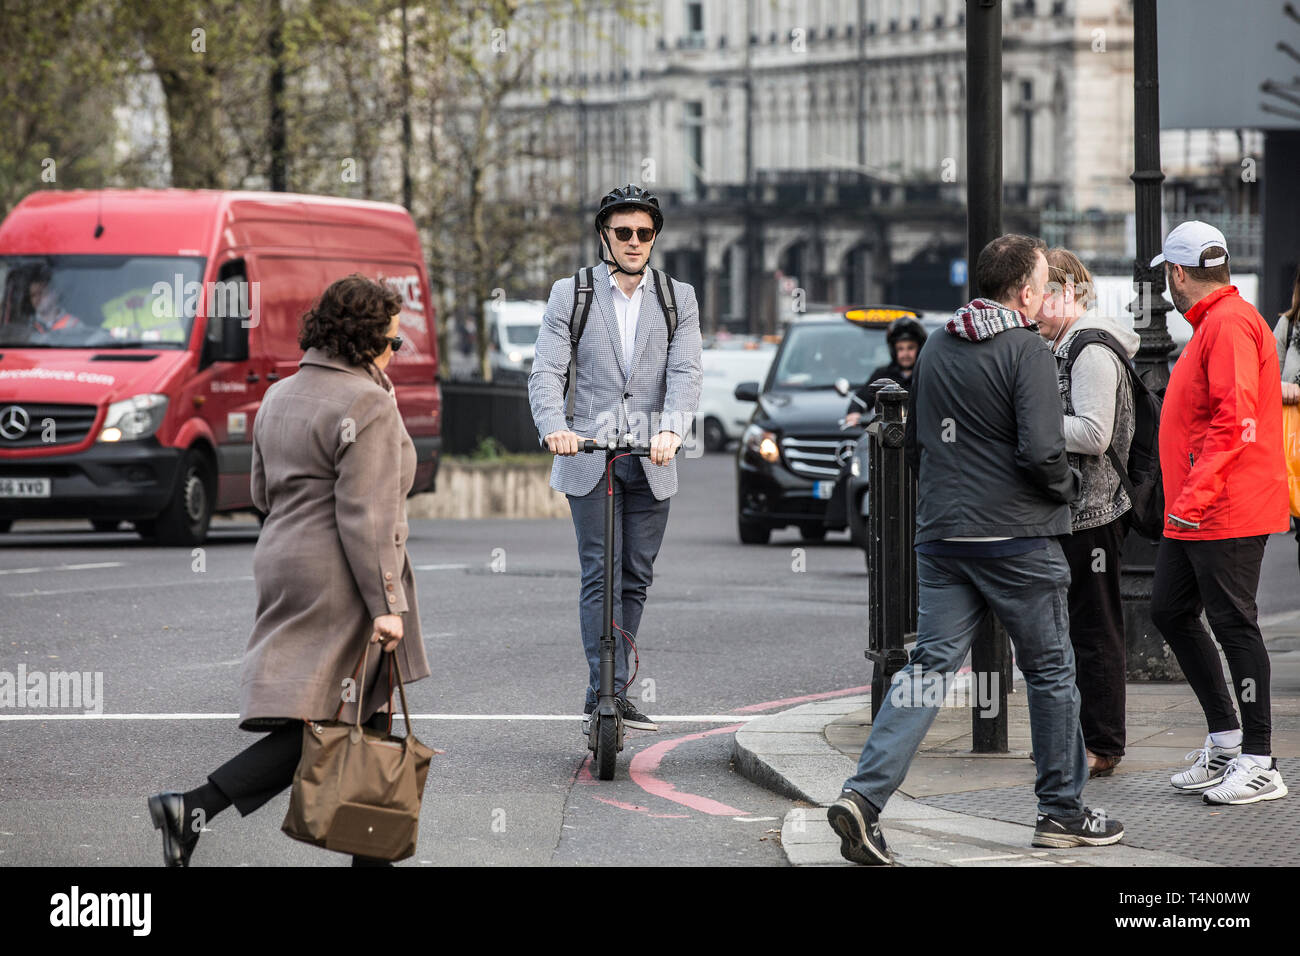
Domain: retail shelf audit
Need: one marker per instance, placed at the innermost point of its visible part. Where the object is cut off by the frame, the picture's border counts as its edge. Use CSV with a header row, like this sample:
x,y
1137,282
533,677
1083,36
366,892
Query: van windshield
x,y
522,334
815,355
98,301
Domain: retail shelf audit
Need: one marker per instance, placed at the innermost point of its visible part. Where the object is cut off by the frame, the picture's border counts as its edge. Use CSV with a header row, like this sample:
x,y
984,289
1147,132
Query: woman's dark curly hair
x,y
351,319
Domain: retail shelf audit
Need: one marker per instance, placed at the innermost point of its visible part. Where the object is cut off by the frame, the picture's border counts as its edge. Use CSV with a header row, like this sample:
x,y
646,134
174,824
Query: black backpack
x,y
583,293
1140,475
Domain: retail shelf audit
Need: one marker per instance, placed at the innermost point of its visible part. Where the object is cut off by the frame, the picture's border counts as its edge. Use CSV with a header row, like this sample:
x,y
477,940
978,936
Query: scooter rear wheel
x,y
606,731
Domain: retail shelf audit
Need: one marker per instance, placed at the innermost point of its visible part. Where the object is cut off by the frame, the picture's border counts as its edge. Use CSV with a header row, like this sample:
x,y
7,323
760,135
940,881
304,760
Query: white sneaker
x,y
1211,764
1247,782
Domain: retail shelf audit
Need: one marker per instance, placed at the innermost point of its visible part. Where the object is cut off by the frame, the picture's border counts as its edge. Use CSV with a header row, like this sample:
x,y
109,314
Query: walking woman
x,y
332,464
1099,414
1287,333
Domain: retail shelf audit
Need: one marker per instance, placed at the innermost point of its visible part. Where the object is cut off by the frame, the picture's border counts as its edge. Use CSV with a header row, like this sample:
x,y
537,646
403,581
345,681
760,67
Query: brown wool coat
x,y
332,465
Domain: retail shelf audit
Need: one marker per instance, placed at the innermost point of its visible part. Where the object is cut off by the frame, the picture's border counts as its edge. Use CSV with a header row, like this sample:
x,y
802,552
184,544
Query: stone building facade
x,y
821,145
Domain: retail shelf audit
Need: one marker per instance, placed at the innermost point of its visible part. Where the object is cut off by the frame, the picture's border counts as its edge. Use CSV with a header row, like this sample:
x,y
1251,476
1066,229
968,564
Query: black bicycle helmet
x,y
906,328
630,197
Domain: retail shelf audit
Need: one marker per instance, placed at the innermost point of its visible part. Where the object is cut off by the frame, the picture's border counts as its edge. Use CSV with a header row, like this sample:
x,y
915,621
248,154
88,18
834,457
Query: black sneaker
x,y
858,825
1091,829
633,718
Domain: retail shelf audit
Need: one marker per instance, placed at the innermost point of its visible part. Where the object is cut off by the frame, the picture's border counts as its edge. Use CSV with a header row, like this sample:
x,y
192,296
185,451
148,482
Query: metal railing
x,y
892,600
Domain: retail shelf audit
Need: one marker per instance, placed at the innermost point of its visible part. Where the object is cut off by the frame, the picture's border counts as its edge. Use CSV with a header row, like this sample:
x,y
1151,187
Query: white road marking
x,y
439,567
137,585
753,819
985,859
64,567
683,719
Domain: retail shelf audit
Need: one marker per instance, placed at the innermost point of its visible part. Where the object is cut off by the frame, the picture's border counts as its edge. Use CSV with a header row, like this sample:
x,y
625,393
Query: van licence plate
x,y
823,489
24,487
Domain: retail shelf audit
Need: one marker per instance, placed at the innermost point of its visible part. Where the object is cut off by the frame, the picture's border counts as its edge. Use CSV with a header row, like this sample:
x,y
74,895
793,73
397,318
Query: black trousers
x,y
1097,633
1222,577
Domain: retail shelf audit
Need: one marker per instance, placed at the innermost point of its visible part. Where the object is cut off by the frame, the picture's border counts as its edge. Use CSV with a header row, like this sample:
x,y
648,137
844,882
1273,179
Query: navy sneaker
x,y
1091,829
858,825
633,718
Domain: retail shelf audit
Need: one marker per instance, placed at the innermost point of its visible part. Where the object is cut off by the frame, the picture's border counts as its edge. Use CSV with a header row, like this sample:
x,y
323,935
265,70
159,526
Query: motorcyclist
x,y
905,338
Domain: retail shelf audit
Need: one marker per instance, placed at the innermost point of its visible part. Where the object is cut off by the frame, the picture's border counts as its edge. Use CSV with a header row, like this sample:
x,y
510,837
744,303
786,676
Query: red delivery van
x,y
139,330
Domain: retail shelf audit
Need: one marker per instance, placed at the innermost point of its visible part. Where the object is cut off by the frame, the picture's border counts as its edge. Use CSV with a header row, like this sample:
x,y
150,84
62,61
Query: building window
x,y
695,24
694,149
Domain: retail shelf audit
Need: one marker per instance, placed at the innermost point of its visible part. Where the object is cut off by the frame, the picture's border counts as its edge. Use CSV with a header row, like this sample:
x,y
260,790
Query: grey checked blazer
x,y
663,384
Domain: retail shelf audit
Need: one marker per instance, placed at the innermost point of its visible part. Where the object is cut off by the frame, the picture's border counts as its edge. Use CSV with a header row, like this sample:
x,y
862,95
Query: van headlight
x,y
762,443
134,418
855,467
516,357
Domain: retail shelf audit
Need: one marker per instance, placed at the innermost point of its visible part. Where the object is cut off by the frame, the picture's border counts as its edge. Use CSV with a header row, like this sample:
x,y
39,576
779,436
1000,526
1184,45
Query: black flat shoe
x,y
167,810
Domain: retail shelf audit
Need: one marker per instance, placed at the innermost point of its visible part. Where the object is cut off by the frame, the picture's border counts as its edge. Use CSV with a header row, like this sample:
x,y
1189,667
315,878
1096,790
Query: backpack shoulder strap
x,y
584,291
664,290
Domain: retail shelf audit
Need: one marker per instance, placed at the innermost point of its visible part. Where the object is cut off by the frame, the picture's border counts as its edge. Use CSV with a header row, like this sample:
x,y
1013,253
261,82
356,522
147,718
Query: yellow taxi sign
x,y
882,315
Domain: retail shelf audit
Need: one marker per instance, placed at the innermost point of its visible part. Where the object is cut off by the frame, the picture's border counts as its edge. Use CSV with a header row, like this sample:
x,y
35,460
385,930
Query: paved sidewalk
x,y
956,808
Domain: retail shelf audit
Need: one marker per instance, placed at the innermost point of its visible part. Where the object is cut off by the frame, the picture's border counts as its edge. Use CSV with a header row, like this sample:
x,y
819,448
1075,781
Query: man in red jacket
x,y
1225,493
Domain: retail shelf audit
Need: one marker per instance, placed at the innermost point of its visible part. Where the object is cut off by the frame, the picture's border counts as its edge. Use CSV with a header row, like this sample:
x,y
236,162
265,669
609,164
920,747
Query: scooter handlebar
x,y
591,445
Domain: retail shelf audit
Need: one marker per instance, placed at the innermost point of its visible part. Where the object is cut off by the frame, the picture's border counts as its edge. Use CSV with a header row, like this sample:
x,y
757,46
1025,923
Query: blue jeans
x,y
1028,592
639,523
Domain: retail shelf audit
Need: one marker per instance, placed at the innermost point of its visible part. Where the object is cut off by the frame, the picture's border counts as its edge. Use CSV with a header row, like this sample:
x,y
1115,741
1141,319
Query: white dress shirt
x,y
626,310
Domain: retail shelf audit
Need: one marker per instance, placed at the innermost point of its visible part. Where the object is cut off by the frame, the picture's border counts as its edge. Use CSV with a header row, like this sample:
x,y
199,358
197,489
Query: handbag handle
x,y
360,670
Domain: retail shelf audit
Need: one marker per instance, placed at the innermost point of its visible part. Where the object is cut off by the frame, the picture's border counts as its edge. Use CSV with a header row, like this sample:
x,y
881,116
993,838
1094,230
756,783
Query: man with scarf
x,y
985,436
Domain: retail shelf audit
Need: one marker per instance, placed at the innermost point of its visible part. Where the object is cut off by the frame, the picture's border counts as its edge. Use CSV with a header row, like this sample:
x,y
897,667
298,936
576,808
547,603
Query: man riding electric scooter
x,y
617,360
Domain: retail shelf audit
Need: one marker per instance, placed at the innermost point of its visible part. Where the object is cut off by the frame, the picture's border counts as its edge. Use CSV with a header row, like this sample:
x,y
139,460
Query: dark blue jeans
x,y
639,523
1028,593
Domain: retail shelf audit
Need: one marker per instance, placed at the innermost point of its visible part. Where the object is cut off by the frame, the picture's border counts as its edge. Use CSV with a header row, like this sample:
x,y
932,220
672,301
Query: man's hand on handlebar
x,y
663,446
563,443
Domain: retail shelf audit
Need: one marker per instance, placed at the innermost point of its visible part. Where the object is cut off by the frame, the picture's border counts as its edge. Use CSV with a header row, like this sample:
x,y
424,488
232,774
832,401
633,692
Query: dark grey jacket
x,y
985,433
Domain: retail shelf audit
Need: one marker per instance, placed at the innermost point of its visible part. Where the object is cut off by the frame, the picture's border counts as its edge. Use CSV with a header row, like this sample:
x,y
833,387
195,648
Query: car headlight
x,y
855,467
762,443
134,418
516,356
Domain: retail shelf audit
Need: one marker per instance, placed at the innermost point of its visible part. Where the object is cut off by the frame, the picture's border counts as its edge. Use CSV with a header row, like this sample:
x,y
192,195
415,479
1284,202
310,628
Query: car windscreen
x,y
815,355
522,334
98,301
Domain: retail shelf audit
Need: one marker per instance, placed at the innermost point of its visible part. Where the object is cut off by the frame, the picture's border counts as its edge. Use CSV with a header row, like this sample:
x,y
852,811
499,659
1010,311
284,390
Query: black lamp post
x,y
1149,657
990,653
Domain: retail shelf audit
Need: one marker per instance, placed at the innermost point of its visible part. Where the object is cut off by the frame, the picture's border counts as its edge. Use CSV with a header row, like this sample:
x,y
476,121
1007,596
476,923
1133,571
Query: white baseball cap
x,y
1186,243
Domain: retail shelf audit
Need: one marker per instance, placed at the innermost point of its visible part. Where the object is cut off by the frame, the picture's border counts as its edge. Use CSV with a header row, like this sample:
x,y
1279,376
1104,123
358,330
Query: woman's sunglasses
x,y
624,233
395,341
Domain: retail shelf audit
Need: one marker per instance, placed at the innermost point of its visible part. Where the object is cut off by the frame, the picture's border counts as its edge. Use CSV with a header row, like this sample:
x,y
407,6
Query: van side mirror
x,y
746,392
227,338
229,315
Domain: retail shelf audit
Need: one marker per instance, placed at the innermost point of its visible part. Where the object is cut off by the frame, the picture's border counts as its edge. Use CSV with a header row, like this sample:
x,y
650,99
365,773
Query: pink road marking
x,y
807,698
647,761
632,806
585,778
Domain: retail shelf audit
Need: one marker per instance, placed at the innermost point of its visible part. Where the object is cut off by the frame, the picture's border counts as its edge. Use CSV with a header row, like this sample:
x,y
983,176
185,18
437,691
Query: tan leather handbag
x,y
358,790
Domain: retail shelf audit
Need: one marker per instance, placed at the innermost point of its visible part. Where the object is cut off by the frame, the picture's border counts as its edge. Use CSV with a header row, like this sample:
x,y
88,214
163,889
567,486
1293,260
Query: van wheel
x,y
812,532
715,437
104,525
5,525
753,533
185,519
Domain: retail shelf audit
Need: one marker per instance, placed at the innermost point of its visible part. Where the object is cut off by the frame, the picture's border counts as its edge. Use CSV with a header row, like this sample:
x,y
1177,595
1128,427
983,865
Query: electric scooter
x,y
605,735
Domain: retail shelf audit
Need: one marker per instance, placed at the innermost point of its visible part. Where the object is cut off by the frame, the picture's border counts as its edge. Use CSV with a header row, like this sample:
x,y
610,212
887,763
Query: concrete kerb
x,y
787,753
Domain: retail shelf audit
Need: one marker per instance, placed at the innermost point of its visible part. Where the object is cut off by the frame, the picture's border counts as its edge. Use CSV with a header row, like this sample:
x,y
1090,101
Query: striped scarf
x,y
982,319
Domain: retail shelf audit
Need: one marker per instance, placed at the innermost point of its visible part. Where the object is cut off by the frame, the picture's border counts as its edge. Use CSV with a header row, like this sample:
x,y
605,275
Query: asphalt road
x,y
729,631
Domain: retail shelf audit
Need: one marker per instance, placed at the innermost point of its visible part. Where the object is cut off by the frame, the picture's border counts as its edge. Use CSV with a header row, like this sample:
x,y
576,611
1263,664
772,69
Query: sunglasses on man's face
x,y
624,233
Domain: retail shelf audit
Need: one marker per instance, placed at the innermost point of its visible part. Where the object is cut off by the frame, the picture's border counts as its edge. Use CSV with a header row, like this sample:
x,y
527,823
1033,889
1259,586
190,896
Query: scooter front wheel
x,y
606,731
